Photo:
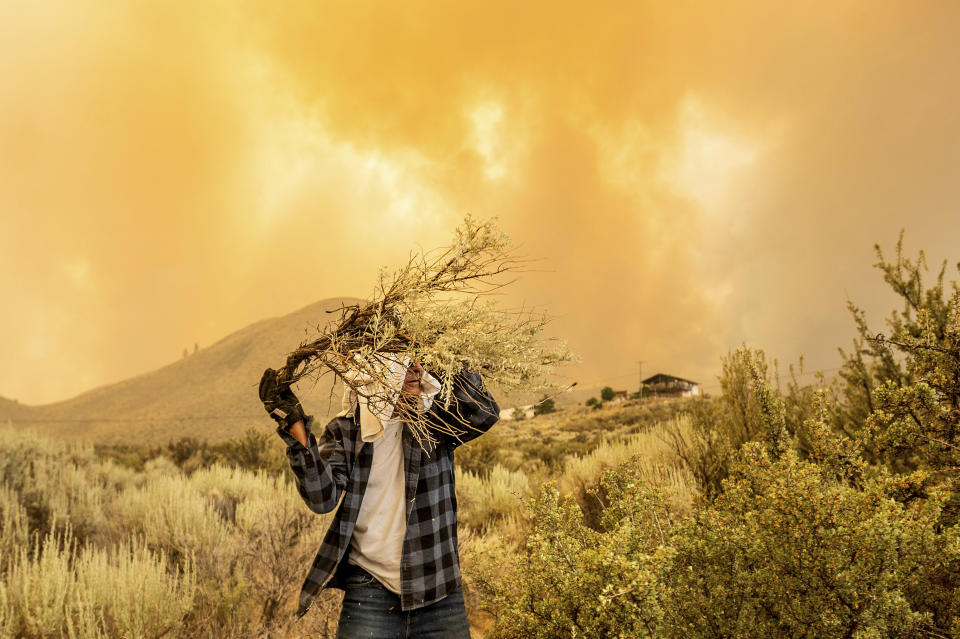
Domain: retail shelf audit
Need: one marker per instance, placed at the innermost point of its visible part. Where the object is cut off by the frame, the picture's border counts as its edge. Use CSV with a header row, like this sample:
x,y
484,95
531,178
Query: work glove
x,y
279,401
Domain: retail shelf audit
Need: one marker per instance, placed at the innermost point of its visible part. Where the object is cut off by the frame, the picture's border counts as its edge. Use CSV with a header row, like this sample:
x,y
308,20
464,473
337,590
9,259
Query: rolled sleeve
x,y
321,468
472,410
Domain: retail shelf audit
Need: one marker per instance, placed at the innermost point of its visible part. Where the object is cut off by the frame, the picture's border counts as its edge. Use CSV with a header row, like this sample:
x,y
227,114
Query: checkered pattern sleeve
x,y
472,409
320,469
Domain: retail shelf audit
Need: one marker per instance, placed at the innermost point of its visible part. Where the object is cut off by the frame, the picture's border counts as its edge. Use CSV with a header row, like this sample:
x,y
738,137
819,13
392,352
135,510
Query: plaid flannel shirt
x,y
334,469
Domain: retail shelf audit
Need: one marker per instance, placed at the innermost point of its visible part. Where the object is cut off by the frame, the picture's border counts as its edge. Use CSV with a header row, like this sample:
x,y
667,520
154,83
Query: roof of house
x,y
661,378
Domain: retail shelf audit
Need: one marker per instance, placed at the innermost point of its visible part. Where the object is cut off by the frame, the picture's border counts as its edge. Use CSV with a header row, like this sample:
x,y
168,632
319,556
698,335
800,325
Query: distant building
x,y
620,396
661,385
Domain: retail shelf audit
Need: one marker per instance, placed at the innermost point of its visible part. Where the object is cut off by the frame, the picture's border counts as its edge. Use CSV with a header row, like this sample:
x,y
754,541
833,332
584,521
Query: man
x,y
392,544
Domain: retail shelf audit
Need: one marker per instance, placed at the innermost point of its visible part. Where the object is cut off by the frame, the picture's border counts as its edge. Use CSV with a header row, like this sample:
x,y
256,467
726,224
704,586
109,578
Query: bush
x,y
252,450
652,463
60,590
573,581
482,503
788,552
785,551
721,426
544,406
479,455
607,394
808,533
89,548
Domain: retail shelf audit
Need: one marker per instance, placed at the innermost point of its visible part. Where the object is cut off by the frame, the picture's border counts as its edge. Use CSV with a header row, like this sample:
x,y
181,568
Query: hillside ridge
x,y
210,394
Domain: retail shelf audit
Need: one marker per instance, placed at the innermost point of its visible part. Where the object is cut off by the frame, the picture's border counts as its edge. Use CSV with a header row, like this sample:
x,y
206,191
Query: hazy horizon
x,y
690,176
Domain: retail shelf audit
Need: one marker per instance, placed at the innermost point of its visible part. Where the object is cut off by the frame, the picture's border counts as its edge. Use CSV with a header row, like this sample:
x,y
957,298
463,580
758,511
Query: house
x,y
661,385
620,396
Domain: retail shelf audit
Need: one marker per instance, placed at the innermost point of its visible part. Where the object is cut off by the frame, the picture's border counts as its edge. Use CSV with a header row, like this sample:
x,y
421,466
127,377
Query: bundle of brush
x,y
440,310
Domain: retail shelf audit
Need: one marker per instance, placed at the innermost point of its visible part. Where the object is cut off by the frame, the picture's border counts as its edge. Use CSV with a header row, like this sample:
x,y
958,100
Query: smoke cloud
x,y
691,176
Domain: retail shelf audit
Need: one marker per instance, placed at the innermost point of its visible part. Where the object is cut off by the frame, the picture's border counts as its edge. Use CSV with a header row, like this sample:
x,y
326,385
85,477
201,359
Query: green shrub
x,y
570,580
479,455
653,463
254,450
797,543
720,426
545,406
787,552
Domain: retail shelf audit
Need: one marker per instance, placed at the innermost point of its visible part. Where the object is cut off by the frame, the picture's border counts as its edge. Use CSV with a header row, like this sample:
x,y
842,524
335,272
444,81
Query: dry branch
x,y
438,309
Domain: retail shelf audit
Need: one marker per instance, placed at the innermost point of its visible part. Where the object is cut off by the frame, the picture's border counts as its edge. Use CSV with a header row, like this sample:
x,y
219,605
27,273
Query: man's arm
x,y
320,466
472,409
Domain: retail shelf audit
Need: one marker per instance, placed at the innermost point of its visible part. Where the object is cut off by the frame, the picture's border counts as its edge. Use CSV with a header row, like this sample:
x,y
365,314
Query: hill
x,y
211,394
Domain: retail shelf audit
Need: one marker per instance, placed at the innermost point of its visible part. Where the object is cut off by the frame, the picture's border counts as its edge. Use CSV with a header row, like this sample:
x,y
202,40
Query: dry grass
x,y
160,554
223,552
484,503
654,454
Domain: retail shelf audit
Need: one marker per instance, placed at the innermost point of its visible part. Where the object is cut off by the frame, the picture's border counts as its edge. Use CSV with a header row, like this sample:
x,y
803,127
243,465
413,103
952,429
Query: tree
x,y
607,394
593,402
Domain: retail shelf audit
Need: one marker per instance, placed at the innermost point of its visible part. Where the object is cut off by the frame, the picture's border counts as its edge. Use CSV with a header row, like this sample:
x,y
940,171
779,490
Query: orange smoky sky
x,y
691,175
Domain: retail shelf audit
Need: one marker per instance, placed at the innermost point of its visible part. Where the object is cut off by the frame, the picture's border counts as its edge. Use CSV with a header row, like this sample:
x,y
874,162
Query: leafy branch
x,y
438,309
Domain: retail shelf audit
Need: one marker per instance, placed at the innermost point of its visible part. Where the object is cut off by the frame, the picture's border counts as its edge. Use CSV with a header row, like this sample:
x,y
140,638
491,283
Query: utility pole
x,y
640,378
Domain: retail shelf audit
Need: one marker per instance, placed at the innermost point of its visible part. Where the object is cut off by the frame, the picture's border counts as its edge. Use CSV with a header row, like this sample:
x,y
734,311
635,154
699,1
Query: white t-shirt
x,y
377,542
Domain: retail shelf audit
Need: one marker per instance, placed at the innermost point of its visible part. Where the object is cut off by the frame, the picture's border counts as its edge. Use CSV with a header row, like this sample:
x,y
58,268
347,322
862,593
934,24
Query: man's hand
x,y
279,401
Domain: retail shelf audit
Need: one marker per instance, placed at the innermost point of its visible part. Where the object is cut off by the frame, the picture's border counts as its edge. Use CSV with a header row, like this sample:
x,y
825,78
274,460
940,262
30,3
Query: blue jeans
x,y
373,612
